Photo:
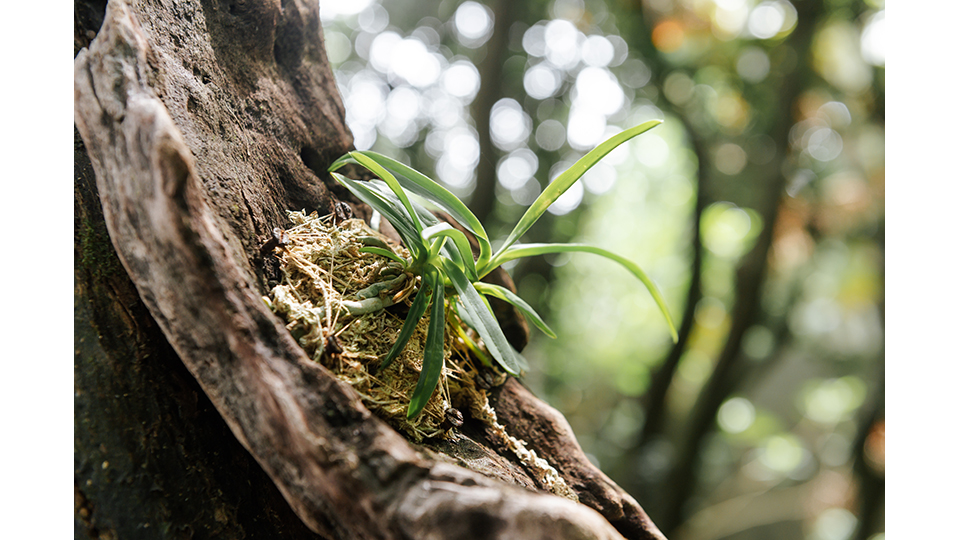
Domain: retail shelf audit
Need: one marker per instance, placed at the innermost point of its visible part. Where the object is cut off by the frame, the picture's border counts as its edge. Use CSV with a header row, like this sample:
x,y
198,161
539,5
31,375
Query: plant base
x,y
323,270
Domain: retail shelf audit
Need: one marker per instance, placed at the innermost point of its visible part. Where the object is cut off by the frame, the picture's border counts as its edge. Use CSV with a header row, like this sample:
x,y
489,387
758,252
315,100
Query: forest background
x,y
798,406
758,207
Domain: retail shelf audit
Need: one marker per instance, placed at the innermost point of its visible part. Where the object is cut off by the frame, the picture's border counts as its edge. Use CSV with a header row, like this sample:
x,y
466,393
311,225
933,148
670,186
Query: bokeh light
x,y
730,158
562,43
753,65
517,168
550,135
668,36
509,124
834,524
730,17
873,41
832,400
461,80
474,23
782,453
574,73
597,51
541,81
728,230
768,19
736,415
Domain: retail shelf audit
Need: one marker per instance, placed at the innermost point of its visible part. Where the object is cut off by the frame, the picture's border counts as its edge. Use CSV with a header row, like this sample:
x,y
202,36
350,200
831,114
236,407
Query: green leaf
x,y
391,181
427,218
417,308
460,240
562,183
340,162
507,295
529,250
366,192
422,185
476,313
383,253
467,340
433,351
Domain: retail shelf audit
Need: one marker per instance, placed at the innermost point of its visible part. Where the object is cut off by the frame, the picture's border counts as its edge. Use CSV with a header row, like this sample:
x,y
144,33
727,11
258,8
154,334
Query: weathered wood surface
x,y
203,122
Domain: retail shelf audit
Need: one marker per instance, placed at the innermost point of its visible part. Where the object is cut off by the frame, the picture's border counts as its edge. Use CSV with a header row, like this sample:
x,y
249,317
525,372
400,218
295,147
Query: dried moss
x,y
323,270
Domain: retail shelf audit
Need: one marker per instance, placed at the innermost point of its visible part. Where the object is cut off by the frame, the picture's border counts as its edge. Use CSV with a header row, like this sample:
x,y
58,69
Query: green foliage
x,y
441,255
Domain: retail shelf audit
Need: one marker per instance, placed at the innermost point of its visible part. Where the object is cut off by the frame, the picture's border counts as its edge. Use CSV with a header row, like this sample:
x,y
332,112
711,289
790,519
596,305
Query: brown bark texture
x,y
197,415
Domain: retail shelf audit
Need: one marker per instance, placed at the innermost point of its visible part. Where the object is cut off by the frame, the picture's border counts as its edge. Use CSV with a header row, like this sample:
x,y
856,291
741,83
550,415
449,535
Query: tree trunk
x,y
197,414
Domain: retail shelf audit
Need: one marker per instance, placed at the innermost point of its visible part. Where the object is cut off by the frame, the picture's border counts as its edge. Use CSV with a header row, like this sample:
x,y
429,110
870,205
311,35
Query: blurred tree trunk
x,y
484,197
750,276
196,413
678,486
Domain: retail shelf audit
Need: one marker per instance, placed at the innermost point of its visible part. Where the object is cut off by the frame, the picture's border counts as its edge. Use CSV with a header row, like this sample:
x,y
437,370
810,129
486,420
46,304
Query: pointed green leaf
x,y
427,218
461,242
476,313
417,182
563,182
474,323
391,181
432,352
383,253
340,162
507,295
417,308
366,192
470,343
529,250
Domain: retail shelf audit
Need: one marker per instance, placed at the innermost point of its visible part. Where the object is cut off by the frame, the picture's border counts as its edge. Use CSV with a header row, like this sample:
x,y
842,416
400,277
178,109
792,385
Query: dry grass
x,y
323,269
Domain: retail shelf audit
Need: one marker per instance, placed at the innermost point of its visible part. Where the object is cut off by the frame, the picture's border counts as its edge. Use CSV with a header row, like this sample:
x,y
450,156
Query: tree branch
x,y
654,400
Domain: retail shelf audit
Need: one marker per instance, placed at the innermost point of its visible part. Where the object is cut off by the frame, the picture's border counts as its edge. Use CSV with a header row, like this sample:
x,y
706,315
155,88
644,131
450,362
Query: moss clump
x,y
323,272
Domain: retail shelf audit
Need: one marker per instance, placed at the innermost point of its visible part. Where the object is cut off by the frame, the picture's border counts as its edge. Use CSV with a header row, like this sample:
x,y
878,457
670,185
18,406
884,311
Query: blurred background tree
x,y
758,207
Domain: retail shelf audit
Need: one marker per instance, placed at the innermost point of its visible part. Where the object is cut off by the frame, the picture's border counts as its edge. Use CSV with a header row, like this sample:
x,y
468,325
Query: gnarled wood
x,y
204,121
551,435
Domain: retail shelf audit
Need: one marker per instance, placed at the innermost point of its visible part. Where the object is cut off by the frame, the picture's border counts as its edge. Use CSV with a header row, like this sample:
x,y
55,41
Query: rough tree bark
x,y
197,415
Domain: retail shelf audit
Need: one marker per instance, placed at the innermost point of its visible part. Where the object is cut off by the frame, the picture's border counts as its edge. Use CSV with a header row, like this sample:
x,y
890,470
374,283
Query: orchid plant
x,y
449,274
